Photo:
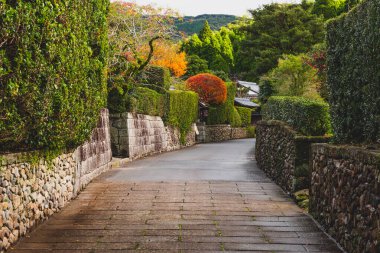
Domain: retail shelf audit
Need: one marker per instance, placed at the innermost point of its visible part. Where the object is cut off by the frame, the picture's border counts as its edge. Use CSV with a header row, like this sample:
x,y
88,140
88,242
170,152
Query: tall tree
x,y
277,29
213,47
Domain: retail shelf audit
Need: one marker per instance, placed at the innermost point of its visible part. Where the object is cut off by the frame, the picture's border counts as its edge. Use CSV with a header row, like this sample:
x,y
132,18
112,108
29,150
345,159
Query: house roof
x,y
254,88
246,102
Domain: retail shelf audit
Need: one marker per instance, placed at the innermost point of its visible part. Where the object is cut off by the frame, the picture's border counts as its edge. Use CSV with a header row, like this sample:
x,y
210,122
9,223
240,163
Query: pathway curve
x,y
208,198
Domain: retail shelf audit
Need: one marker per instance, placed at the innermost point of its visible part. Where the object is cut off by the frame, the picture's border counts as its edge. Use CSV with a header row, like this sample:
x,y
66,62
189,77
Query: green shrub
x,y
353,57
245,115
309,117
53,59
251,132
225,113
147,101
158,78
181,110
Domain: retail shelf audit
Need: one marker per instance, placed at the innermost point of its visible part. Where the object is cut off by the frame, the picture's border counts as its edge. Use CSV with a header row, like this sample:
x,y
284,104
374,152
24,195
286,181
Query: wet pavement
x,y
207,198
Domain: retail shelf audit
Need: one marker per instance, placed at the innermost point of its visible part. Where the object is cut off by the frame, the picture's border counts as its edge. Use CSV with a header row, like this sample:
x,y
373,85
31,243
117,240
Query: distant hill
x,y
190,25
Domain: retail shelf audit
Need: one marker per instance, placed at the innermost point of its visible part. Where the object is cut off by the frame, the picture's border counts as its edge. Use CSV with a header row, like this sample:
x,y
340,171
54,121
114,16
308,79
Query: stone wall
x,y
95,155
137,135
345,195
239,133
284,155
218,133
32,189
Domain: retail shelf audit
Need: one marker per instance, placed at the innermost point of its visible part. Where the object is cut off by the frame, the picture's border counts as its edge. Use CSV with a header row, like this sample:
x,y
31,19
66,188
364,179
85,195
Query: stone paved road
x,y
208,198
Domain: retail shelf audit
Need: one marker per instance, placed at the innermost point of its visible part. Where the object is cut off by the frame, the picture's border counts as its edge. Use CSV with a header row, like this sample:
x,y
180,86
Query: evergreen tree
x,y
277,29
206,32
213,47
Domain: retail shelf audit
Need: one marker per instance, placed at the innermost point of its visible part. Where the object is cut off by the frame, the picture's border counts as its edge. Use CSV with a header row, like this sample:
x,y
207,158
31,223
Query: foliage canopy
x,y
277,29
52,72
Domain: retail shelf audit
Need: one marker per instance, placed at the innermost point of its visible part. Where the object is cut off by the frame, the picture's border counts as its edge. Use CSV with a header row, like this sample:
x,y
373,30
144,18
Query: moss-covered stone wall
x,y
345,195
283,154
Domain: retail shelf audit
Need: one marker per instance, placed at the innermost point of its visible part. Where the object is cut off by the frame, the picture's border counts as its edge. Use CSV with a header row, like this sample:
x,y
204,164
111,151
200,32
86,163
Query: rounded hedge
x,y
307,116
53,59
210,88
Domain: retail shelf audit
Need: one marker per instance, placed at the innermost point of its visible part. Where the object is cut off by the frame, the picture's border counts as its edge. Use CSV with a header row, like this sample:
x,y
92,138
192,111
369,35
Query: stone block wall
x,y
345,195
284,155
218,133
95,155
137,135
31,191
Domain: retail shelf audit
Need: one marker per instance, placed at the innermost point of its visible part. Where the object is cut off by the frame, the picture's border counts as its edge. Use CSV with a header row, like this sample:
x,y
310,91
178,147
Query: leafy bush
x,y
157,77
225,113
294,77
245,115
353,58
52,72
309,117
147,101
251,131
210,88
181,110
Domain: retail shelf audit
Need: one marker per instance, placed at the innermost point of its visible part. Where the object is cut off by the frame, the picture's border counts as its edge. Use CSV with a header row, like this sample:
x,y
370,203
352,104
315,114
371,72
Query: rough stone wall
x,y
136,136
218,133
239,133
276,152
345,195
284,155
31,191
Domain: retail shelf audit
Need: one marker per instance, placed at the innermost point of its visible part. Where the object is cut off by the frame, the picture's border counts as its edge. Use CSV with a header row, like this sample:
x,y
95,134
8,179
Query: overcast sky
x,y
197,7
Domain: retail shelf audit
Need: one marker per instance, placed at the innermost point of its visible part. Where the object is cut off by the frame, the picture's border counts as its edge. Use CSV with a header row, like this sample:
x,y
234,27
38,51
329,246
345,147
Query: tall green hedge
x,y
52,72
309,117
147,101
354,74
225,113
245,115
181,110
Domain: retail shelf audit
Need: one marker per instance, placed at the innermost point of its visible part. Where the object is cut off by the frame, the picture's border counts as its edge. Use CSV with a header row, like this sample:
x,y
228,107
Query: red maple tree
x,y
210,88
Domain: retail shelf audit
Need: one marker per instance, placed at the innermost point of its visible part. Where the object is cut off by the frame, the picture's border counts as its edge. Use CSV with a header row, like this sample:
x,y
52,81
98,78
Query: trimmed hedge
x,y
245,115
225,113
353,58
307,116
181,110
158,78
148,102
53,59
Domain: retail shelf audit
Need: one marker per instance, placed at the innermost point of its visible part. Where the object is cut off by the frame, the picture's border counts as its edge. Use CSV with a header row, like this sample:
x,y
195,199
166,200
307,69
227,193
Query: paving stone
x,y
179,216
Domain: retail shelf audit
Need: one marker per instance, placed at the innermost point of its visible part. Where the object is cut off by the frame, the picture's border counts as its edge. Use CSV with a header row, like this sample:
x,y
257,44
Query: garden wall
x,y
219,133
33,188
283,154
345,195
137,135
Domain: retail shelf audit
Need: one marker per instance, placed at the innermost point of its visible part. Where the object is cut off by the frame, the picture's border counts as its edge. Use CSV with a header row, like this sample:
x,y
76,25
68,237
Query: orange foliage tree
x,y
210,88
167,54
